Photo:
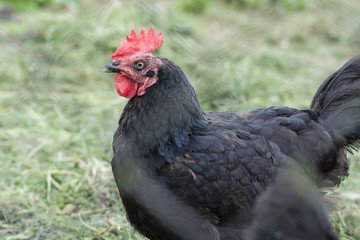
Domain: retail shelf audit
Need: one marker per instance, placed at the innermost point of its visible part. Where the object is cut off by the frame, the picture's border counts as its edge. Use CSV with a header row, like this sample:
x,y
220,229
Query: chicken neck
x,y
163,119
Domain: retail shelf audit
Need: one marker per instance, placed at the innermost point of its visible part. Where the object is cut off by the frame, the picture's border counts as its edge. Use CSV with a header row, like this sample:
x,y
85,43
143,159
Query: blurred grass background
x,y
58,111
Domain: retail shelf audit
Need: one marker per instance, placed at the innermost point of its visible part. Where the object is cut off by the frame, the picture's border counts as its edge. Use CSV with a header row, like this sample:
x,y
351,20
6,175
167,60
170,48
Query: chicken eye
x,y
139,65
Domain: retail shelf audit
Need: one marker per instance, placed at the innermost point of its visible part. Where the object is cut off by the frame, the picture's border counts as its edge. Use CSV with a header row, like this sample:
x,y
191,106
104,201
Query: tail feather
x,y
292,208
338,102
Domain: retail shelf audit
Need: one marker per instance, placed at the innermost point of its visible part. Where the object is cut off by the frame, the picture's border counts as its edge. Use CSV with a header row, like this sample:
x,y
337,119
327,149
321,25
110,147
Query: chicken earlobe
x,y
148,83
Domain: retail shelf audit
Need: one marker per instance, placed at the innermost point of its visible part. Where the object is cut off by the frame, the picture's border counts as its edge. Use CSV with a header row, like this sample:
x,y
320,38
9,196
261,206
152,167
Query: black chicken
x,y
183,173
291,209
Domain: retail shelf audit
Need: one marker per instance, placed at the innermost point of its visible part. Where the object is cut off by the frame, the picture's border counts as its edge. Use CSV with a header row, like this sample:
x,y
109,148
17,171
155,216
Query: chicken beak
x,y
110,68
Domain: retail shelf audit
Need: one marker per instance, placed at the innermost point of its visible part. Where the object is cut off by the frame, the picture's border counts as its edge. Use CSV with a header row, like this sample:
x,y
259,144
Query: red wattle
x,y
125,86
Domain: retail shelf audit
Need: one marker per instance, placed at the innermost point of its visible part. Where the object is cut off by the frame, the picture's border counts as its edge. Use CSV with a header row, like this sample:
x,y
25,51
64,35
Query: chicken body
x,y
183,173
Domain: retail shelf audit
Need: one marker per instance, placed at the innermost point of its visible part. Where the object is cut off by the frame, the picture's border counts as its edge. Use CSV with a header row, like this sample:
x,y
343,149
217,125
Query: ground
x,y
58,111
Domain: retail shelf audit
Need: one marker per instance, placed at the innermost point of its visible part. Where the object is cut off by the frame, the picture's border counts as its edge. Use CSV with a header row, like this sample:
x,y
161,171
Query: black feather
x,y
292,208
338,102
214,165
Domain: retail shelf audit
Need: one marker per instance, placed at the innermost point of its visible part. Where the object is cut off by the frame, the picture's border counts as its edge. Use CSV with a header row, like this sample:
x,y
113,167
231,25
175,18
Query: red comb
x,y
144,43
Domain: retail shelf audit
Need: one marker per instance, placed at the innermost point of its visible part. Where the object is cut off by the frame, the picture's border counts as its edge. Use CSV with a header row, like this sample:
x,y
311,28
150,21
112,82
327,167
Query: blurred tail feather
x,y
292,208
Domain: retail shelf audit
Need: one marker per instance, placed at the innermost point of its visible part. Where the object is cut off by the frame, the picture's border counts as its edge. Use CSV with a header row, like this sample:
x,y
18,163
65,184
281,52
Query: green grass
x,y
58,111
